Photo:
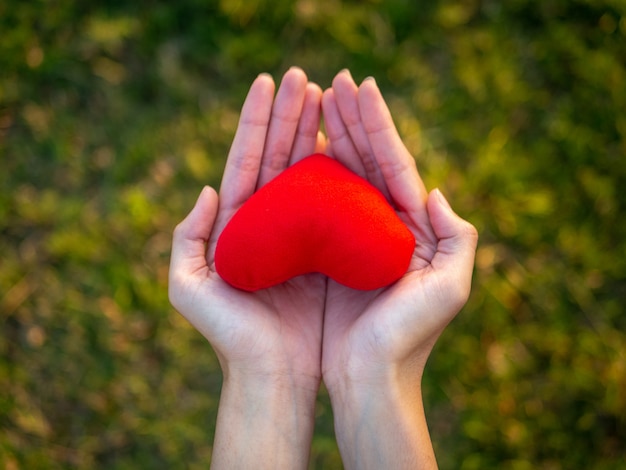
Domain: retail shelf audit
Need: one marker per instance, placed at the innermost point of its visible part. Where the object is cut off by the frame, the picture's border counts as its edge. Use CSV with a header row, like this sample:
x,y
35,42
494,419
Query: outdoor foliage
x,y
114,114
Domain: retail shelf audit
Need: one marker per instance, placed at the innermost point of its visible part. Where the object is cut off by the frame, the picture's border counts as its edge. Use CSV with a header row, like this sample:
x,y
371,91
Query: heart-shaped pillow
x,y
316,216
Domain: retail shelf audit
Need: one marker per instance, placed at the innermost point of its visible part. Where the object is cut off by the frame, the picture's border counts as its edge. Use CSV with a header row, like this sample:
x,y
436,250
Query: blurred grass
x,y
114,114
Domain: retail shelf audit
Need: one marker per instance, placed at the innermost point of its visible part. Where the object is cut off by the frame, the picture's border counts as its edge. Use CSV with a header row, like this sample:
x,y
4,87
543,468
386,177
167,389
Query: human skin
x,y
268,342
376,343
276,345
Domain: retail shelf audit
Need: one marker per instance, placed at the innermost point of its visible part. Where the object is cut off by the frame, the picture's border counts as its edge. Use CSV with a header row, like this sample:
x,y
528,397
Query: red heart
x,y
316,216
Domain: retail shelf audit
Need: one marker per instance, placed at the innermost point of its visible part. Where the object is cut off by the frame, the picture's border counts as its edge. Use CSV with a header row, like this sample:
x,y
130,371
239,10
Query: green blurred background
x,y
113,115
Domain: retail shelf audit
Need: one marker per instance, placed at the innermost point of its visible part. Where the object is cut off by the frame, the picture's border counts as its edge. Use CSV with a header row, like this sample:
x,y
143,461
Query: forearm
x,y
264,423
382,426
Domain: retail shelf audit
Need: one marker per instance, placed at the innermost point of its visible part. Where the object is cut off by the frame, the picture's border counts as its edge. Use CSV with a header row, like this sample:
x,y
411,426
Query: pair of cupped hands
x,y
311,328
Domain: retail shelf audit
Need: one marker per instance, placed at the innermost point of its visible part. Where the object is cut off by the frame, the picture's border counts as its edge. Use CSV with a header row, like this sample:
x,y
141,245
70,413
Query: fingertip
x,y
199,221
207,192
296,69
446,223
344,79
296,74
374,107
259,97
264,76
439,209
441,199
329,105
314,95
369,80
264,79
345,72
328,95
314,89
369,89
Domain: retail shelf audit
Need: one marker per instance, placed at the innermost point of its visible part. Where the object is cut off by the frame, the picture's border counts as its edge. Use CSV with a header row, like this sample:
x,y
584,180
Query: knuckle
x,y
469,231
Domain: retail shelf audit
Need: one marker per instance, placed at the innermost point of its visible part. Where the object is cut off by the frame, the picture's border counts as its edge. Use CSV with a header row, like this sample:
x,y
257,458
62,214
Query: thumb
x,y
456,248
189,242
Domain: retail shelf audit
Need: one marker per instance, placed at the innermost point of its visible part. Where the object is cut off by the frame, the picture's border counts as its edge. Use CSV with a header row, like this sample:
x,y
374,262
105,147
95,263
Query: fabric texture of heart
x,y
316,216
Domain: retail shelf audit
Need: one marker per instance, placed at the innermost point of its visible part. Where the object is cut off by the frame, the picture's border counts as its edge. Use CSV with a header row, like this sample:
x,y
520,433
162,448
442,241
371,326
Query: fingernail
x,y
370,79
346,71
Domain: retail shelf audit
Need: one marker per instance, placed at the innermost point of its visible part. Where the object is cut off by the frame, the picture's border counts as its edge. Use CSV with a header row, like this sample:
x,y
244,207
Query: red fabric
x,y
316,216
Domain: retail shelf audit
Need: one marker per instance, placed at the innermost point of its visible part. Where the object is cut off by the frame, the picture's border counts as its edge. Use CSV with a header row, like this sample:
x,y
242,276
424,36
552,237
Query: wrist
x,y
269,374
300,386
380,423
272,414
391,389
356,377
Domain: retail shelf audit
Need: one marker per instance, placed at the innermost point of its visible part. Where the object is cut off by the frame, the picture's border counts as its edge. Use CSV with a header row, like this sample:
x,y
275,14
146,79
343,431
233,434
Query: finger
x,y
306,139
346,95
244,159
189,242
283,126
456,249
396,163
343,150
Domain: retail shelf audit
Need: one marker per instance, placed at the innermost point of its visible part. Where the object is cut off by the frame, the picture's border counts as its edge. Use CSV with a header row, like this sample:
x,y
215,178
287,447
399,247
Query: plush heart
x,y
316,216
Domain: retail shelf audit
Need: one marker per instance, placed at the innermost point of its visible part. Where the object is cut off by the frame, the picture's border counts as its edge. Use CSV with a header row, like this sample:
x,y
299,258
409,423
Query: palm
x,y
269,327
362,326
